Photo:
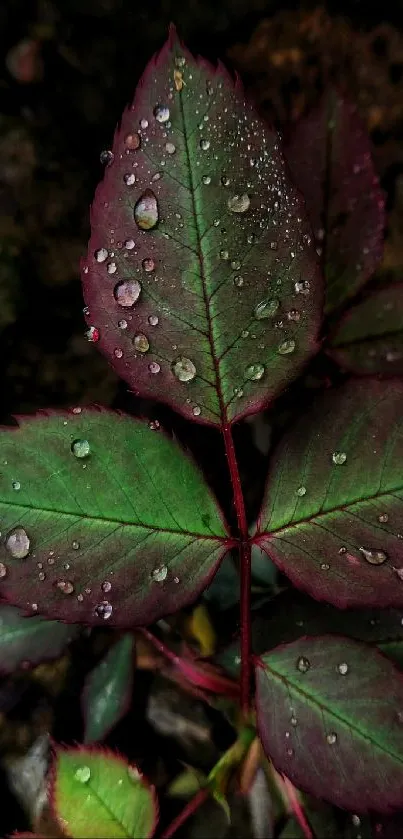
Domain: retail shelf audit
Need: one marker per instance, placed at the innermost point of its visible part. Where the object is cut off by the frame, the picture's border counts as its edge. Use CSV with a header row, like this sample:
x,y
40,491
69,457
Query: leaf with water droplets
x,y
97,793
369,336
30,640
330,160
207,242
97,533
324,728
108,690
342,540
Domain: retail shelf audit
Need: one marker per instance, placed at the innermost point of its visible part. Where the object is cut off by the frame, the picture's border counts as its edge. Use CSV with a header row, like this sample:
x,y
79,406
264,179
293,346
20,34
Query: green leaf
x,y
30,640
369,336
96,793
103,519
332,517
329,712
108,690
206,294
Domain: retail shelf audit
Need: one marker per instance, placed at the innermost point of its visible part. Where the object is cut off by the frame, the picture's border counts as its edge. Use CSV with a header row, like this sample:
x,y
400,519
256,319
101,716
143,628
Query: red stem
x,y
191,807
296,807
245,561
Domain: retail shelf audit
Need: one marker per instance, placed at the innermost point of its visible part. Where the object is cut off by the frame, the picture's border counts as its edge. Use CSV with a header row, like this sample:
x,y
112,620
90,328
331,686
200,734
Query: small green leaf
x,y
96,793
30,639
108,689
332,518
329,713
103,519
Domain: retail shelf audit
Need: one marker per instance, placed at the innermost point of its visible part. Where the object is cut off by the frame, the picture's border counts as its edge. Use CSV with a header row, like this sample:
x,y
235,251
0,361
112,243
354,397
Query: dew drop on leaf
x,y
141,342
132,141
206,180
101,254
331,738
238,281
118,352
374,557
3,571
303,664
65,586
106,157
104,610
122,324
159,574
129,178
80,448
83,774
127,292
383,518
154,367
196,410
302,287
343,668
16,485
17,543
356,820
170,148
224,255
146,211
106,586
144,123
161,113
75,545
153,320
205,145
339,458
286,347
254,372
294,721
301,491
148,265
92,334
266,309
293,315
184,369
238,203
129,244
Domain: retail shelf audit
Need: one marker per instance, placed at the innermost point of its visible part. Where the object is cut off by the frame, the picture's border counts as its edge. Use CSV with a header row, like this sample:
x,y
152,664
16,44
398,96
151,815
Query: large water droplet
x,y
161,113
374,557
343,668
184,369
104,610
101,255
17,543
132,141
80,448
146,211
266,309
170,148
159,574
303,664
141,342
239,203
65,586
339,458
83,774
127,292
129,178
286,347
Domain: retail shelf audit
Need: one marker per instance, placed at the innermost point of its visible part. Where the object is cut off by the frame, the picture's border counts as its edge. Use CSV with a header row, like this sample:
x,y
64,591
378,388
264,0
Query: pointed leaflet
x,y
369,336
95,531
211,300
330,160
96,793
329,712
108,690
332,517
30,639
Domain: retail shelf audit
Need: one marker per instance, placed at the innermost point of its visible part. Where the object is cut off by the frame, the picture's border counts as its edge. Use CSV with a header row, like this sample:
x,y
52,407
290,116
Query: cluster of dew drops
x,y
18,545
127,292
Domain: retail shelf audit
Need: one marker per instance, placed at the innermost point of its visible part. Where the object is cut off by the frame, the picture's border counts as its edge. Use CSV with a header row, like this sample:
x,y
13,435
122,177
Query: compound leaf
x,y
329,156
369,336
332,518
329,712
96,793
108,689
29,640
201,280
103,519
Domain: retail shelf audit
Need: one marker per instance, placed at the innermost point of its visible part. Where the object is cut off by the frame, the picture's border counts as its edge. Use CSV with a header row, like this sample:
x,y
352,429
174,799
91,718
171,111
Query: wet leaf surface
x,y
108,689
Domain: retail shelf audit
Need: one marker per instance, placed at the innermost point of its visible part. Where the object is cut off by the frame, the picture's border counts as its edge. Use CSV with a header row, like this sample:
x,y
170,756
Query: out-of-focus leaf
x,y
108,690
29,640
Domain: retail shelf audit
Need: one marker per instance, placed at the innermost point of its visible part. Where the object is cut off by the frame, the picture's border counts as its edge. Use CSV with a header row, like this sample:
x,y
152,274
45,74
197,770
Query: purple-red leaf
x,y
369,336
29,640
201,281
329,713
330,160
332,518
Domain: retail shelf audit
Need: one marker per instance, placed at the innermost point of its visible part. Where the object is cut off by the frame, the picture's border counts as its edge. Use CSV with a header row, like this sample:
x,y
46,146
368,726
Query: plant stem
x,y
296,807
245,563
190,808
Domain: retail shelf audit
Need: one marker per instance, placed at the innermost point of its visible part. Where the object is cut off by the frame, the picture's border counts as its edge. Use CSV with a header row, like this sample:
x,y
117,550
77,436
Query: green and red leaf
x,y
329,712
329,155
97,793
332,517
103,519
369,336
30,640
108,690
201,280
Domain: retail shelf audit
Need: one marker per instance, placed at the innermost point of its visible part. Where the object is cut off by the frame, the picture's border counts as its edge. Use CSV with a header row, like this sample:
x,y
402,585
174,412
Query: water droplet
x,y
118,352
301,491
132,141
238,203
286,347
343,668
141,342
104,610
303,664
224,255
153,320
106,586
16,485
342,550
3,571
75,545
144,123
325,566
225,180
146,211
294,721
170,148
331,738
122,324
127,292
293,315
206,180
101,255
159,574
266,309
374,557
17,543
302,287
235,264
339,458
383,518
130,244
92,334
180,61
238,281
356,820
80,448
184,369
254,372
106,156
154,367
83,774
65,586
148,265
204,145
161,113
129,178
196,410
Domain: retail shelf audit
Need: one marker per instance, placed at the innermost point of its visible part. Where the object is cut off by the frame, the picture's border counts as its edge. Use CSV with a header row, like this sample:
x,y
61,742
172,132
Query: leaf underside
x,y
336,733
108,690
29,640
229,234
336,528
329,155
369,336
126,533
96,793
